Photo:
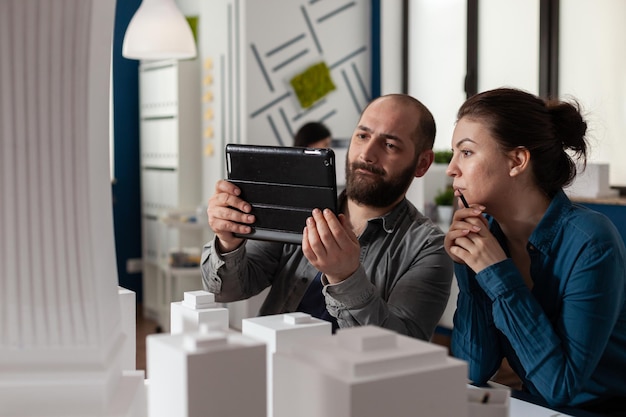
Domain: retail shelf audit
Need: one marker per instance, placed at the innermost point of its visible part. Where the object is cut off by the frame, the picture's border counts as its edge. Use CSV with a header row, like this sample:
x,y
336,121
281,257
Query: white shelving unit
x,y
171,282
171,178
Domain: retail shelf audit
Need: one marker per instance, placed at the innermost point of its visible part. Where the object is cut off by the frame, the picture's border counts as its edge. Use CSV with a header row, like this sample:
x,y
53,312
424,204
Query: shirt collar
x,y
550,224
388,220
543,236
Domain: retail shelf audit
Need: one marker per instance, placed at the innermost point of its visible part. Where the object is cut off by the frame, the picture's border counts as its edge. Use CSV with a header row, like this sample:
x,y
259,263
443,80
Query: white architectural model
x,y
209,373
491,402
61,338
197,308
368,372
280,332
128,311
245,309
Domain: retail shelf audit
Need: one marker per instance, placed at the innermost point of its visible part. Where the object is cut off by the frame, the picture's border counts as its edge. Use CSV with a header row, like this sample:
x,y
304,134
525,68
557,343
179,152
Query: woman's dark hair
x,y
547,128
309,133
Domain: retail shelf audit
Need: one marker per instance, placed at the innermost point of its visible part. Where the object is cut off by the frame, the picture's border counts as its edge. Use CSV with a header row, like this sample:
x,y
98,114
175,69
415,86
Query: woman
x,y
542,280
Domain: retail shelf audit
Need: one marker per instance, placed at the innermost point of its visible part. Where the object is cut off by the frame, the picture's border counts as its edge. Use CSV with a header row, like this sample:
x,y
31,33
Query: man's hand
x,y
225,212
330,245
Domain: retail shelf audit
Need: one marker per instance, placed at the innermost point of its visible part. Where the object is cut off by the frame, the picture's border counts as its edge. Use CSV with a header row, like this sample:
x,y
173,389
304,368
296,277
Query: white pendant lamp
x,y
158,30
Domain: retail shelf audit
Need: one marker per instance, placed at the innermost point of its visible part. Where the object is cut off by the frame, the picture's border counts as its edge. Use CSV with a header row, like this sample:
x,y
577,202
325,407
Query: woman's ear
x,y
519,160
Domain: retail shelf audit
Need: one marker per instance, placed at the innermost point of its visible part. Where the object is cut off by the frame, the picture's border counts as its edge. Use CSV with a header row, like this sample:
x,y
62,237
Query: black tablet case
x,y
283,185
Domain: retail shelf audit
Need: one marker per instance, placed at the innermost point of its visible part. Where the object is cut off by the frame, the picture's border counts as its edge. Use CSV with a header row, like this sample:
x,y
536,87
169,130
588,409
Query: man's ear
x,y
519,161
424,160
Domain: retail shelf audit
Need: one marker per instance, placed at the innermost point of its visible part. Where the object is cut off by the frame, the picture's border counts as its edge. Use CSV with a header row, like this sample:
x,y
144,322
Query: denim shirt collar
x,y
544,234
558,211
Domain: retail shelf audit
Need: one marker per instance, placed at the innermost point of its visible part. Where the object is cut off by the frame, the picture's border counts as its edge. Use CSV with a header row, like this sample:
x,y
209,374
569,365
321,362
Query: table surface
x,y
520,408
522,404
525,405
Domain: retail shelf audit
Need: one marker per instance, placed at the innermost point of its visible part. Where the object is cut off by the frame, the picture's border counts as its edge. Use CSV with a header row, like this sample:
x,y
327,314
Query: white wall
x,y
592,59
592,69
250,50
437,39
508,44
391,39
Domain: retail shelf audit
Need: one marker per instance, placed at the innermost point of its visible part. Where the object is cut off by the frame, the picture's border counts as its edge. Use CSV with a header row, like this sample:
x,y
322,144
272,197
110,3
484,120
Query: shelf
x,y
178,271
184,225
171,178
183,271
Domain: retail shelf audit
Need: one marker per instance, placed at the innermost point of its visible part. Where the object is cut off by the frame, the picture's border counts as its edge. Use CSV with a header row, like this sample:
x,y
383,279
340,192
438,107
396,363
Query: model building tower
x,y
197,308
368,372
280,331
207,373
61,341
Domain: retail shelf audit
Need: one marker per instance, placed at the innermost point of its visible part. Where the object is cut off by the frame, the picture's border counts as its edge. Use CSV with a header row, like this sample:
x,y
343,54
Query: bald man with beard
x,y
378,262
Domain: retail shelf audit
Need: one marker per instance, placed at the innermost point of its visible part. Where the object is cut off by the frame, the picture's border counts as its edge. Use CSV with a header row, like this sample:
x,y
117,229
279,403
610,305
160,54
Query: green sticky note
x,y
312,84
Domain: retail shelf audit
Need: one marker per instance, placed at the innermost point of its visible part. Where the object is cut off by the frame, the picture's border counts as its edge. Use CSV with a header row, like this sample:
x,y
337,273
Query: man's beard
x,y
374,190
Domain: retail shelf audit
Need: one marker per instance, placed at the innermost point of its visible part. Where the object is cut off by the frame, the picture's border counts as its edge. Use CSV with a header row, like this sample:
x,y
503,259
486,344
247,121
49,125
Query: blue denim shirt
x,y
565,338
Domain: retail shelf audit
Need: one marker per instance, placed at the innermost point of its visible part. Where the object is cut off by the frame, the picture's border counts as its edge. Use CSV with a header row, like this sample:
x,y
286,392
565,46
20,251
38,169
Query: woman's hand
x,y
469,240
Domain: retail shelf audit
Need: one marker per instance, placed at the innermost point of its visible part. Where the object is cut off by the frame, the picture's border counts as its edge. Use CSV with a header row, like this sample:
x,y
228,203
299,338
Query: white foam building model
x,y
197,308
128,311
280,332
492,402
368,372
244,309
592,181
61,336
208,373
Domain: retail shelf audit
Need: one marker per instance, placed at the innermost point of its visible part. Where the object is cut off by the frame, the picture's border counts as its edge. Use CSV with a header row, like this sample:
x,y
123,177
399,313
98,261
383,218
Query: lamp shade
x,y
158,30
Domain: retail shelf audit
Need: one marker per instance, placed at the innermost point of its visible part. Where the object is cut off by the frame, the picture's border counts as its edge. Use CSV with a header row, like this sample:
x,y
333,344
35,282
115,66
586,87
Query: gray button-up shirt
x,y
403,282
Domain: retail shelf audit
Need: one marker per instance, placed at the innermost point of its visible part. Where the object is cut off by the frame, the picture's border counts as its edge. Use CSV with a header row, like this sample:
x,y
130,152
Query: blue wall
x,y
126,189
616,213
375,63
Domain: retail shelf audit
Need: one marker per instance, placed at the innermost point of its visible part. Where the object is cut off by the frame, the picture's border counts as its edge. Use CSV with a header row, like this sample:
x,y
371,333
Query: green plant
x,y
312,84
443,157
445,197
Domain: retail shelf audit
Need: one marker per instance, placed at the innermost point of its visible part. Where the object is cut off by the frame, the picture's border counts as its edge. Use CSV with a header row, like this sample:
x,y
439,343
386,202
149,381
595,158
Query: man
x,y
379,262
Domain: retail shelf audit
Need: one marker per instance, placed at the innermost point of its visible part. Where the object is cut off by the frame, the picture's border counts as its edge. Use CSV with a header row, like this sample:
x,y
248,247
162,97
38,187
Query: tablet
x,y
283,185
